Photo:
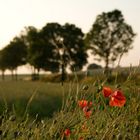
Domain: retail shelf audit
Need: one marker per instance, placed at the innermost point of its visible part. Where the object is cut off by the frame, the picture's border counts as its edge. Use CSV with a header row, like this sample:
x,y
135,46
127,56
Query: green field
x,y
44,111
44,98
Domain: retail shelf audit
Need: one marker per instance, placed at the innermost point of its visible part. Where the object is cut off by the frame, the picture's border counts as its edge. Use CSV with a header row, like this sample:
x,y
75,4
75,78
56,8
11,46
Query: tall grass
x,y
41,100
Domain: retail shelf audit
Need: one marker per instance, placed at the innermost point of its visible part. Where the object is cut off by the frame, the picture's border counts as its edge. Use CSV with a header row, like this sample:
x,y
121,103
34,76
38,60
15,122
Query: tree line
x,y
57,47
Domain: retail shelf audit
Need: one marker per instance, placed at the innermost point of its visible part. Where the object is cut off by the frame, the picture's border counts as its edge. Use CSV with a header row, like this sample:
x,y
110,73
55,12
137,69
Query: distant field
x,y
42,98
47,97
20,77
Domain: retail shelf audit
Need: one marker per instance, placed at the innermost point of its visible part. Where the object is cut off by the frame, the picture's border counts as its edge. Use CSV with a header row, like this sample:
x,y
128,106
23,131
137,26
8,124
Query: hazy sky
x,y
16,14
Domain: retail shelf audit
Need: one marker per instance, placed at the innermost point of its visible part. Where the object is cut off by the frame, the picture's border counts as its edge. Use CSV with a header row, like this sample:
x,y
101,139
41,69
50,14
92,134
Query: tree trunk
x,y
3,75
38,70
35,75
16,75
106,63
106,66
34,72
107,71
12,74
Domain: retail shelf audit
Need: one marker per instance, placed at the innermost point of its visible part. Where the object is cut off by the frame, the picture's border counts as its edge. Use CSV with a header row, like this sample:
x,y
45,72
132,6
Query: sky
x,y
17,14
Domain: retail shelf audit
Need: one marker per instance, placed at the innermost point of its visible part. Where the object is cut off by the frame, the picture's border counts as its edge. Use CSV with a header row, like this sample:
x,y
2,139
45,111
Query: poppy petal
x,y
117,99
107,91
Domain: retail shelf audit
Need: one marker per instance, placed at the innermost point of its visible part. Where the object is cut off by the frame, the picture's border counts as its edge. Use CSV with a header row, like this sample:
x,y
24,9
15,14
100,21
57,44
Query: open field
x,y
44,98
54,113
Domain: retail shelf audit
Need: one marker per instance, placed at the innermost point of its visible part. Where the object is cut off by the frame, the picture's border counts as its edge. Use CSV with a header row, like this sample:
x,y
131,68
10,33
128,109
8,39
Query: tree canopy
x,y
14,54
45,48
36,53
93,66
110,37
57,47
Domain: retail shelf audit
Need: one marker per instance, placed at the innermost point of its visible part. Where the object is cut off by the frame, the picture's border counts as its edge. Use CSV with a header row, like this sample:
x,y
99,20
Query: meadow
x,y
40,98
78,110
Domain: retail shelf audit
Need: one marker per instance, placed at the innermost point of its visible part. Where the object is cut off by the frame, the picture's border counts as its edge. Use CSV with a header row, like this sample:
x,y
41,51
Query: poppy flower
x,y
67,132
117,99
90,104
107,91
87,113
83,103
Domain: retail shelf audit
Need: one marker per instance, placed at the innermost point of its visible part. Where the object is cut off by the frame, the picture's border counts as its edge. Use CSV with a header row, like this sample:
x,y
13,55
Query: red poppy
x,y
117,99
87,113
67,132
90,104
107,91
83,103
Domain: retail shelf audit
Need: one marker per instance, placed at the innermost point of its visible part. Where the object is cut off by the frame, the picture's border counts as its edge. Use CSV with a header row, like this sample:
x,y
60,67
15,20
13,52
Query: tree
x,y
50,34
93,66
33,52
14,55
47,52
75,51
3,66
66,45
39,50
110,37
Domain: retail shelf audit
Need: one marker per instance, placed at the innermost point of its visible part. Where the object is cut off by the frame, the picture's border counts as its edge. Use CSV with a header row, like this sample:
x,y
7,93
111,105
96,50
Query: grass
x,y
47,97
44,111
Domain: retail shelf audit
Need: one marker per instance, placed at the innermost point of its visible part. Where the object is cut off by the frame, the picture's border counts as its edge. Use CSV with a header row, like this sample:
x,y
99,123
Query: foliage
x,y
46,45
110,37
67,38
3,65
93,66
37,51
74,46
15,53
49,33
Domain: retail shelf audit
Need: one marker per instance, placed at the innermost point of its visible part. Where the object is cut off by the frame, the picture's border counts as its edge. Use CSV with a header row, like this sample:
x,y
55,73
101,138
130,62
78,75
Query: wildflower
x,y
107,91
117,99
87,113
83,103
90,104
67,132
